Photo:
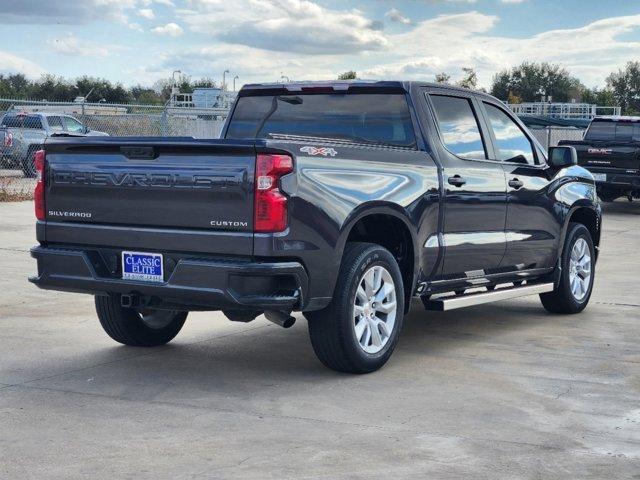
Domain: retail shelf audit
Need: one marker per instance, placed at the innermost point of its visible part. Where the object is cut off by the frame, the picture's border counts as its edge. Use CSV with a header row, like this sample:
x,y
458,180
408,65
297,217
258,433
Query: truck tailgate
x,y
165,187
607,154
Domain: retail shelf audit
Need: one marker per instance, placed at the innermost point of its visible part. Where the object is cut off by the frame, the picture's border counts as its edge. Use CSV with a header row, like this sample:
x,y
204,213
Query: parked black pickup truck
x,y
610,150
340,200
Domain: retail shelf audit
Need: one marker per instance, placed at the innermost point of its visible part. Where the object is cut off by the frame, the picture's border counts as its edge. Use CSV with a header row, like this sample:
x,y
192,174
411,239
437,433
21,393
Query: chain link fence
x,y
26,125
551,136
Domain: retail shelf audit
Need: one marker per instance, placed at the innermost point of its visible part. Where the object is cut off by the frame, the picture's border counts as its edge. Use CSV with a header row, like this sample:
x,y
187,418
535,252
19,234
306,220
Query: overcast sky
x,y
139,41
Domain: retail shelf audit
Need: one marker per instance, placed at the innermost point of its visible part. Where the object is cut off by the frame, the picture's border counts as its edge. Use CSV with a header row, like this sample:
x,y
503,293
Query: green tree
x,y
102,89
52,88
350,75
625,86
501,85
205,83
602,97
15,85
469,80
144,95
531,81
443,78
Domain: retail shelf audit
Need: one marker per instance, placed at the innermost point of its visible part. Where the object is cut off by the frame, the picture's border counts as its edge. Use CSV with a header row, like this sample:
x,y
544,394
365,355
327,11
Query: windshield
x,y
361,117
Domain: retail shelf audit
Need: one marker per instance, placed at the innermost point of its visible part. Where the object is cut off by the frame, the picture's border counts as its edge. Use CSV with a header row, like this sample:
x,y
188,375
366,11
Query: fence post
x,y
163,122
548,137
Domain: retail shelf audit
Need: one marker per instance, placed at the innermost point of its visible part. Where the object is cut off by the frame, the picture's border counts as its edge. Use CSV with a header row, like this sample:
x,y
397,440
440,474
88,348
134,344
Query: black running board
x,y
443,304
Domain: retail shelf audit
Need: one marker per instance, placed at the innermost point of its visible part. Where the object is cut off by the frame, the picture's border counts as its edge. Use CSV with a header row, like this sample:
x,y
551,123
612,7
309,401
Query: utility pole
x,y
174,88
234,82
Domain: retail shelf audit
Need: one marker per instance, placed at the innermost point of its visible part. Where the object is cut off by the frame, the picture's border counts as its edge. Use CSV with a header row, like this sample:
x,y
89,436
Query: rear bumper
x,y
192,284
618,181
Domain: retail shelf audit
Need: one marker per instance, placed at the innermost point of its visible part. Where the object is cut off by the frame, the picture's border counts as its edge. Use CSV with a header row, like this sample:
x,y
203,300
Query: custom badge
x,y
315,151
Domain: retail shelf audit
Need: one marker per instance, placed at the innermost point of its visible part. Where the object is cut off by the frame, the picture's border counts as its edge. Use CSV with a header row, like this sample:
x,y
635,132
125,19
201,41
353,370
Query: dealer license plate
x,y
142,266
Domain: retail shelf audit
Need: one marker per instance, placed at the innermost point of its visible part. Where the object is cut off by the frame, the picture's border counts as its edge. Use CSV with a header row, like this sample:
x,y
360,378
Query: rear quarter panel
x,y
328,195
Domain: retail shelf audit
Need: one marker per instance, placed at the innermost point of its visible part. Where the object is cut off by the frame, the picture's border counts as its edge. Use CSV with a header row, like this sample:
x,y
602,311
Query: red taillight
x,y
270,213
39,160
8,139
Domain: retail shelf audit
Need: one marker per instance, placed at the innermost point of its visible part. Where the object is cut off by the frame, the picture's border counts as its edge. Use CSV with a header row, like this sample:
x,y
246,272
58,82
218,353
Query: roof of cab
x,y
616,118
346,85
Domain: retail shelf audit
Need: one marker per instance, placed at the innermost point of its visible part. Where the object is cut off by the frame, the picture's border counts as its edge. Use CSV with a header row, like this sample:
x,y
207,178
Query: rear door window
x,y
382,119
55,124
458,126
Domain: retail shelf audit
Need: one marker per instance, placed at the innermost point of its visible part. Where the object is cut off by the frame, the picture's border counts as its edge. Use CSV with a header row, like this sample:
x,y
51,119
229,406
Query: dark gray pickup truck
x,y
343,201
610,150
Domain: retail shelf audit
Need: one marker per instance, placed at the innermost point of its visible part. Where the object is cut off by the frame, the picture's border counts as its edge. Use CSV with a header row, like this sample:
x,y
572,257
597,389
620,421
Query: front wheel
x,y
138,328
358,331
576,280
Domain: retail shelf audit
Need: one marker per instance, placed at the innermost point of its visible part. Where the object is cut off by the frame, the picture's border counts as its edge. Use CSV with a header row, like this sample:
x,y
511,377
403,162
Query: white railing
x,y
577,111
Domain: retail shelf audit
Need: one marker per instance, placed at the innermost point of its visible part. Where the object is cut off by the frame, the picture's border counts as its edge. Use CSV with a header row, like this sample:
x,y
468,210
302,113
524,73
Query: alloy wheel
x,y
580,269
374,309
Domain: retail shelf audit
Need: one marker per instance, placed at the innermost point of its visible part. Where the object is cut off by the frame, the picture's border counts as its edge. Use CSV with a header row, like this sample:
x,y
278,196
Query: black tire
x,y
562,299
129,327
332,330
609,195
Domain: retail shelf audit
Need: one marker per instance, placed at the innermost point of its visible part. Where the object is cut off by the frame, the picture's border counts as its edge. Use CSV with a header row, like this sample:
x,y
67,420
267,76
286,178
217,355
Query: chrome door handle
x,y
515,183
456,181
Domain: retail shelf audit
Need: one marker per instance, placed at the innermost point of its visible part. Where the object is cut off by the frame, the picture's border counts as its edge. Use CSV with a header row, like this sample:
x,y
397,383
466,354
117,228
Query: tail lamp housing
x,y
270,209
8,139
39,160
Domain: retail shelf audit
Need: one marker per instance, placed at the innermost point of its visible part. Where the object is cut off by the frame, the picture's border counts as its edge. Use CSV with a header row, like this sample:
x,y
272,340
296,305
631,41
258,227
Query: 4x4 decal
x,y
324,151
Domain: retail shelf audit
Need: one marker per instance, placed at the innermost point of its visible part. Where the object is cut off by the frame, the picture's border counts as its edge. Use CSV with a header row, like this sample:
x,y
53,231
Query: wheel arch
x,y
588,215
387,225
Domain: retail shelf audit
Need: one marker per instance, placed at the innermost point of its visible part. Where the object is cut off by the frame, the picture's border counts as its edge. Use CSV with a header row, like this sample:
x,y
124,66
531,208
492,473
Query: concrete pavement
x,y
497,391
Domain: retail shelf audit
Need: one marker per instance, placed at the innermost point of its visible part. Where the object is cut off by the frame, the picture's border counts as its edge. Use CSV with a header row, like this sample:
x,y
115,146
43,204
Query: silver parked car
x,y
29,130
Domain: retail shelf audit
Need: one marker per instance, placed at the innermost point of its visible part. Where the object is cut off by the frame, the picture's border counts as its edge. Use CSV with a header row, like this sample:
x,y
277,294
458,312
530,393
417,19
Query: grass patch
x,y
15,189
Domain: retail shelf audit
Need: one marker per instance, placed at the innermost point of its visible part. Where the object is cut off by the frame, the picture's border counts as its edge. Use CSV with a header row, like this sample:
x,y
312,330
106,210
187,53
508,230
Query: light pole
x,y
234,82
173,76
224,80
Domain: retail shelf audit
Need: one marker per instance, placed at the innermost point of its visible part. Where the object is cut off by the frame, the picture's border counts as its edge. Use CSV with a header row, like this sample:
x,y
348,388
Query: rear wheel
x,y
138,328
358,331
609,195
576,281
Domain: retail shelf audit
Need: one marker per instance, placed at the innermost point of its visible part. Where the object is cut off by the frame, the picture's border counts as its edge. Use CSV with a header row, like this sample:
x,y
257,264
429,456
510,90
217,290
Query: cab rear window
x,y
22,121
618,131
358,117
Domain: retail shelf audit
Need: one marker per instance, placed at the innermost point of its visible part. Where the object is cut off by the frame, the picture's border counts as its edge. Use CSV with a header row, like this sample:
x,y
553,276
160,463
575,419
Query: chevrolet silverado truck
x,y
610,150
341,200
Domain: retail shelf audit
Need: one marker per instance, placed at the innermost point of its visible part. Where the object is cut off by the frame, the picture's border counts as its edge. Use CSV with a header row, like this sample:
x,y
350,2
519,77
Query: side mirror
x,y
86,129
561,157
